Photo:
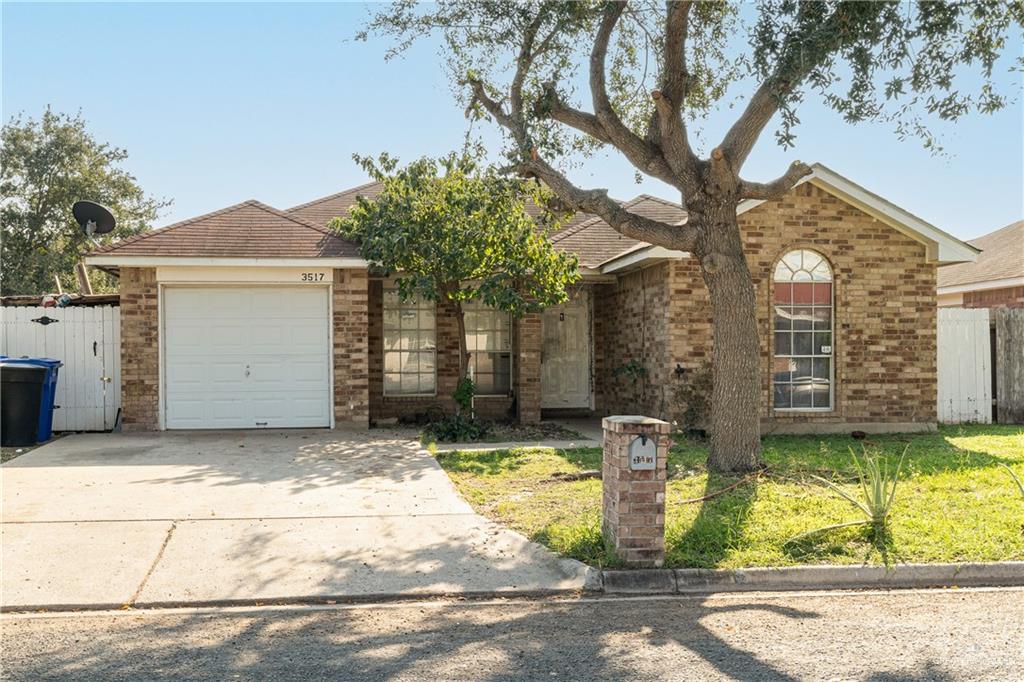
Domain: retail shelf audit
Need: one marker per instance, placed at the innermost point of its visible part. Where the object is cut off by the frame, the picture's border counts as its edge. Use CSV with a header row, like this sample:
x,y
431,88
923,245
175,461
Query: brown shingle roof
x,y
247,230
1002,257
586,235
595,241
321,211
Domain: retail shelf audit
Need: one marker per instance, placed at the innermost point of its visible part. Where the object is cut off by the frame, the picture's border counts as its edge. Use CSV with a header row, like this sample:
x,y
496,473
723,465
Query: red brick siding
x,y
351,352
631,322
140,355
1008,297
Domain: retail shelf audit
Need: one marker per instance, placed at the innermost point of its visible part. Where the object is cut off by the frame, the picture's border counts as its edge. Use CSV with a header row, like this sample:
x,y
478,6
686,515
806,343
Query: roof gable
x,y
941,246
250,229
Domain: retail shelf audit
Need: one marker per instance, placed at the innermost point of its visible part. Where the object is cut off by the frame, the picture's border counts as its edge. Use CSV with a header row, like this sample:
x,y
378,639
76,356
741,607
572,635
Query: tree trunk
x,y
735,398
460,320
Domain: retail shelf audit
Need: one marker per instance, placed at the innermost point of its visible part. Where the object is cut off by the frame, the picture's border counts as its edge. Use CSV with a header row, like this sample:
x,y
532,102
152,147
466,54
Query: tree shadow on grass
x,y
823,547
718,528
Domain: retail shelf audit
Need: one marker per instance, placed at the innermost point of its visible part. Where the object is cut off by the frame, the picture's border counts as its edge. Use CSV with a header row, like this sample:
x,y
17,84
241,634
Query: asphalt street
x,y
966,634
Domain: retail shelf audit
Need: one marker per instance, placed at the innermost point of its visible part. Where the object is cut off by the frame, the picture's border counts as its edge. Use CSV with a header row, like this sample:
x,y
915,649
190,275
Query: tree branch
x,y
776,188
596,201
667,126
574,118
799,58
675,78
743,134
645,157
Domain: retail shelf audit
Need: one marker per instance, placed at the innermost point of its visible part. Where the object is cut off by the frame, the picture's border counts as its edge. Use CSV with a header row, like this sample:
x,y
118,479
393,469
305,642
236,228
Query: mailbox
x,y
643,454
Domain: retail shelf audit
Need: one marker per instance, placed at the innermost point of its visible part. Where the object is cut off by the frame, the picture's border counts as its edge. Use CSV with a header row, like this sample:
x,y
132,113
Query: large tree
x,y
655,70
47,165
451,230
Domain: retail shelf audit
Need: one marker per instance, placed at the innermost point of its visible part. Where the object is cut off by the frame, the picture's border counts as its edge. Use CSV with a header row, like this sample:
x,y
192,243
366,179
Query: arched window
x,y
802,371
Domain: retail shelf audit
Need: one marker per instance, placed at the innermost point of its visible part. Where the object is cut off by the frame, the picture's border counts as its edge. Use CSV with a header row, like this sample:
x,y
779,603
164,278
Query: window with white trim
x,y
489,343
410,346
802,368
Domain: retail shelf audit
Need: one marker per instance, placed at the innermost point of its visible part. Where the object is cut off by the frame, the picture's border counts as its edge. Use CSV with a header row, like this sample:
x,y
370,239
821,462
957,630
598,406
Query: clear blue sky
x,y
221,103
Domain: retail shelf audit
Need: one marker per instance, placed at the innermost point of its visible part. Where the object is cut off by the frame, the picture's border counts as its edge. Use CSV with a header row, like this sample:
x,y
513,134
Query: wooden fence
x,y
88,341
1009,364
964,366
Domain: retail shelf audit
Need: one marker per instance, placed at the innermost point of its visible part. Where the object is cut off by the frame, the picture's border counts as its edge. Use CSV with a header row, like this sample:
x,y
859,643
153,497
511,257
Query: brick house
x,y
254,317
994,280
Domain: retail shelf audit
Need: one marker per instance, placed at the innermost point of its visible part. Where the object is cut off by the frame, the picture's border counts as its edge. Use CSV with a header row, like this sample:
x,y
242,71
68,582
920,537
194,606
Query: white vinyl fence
x,y
964,366
88,341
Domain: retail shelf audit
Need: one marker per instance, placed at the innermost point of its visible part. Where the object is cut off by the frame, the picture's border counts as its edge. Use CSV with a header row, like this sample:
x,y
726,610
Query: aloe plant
x,y
1016,479
878,493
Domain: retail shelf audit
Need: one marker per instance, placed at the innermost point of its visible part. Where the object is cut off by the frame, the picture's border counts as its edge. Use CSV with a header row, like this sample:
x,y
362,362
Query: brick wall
x,y
351,350
632,322
1008,297
140,355
527,342
885,316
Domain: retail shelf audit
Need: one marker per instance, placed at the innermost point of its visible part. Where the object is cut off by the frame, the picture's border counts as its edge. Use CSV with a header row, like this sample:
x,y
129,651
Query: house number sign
x,y
643,454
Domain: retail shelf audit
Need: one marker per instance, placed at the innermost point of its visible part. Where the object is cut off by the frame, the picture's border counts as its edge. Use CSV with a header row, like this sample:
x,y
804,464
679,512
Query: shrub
x,y
464,393
634,372
691,400
455,428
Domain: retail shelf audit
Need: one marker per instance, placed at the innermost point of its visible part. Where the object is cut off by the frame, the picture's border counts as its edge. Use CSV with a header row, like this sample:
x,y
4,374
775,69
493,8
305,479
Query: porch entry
x,y
565,353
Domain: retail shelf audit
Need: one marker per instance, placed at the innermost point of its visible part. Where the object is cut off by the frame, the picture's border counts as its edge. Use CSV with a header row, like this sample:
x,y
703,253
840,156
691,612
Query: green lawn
x,y
955,501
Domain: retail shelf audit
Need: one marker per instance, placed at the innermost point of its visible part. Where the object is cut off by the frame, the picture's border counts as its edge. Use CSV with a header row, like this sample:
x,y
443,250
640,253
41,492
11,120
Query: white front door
x,y
246,357
565,354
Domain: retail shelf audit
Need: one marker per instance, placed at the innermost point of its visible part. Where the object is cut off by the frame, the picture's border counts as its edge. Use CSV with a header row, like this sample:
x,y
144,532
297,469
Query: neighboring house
x,y
255,317
994,280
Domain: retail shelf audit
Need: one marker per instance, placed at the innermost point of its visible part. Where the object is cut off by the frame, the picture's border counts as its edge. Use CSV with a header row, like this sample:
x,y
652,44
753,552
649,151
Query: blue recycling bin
x,y
44,430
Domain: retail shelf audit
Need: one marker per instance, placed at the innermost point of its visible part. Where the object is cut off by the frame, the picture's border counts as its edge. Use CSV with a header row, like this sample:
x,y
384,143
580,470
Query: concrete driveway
x,y
194,517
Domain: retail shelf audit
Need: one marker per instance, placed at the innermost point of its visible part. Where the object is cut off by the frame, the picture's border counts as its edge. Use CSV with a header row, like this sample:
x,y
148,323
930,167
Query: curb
x,y
653,581
701,580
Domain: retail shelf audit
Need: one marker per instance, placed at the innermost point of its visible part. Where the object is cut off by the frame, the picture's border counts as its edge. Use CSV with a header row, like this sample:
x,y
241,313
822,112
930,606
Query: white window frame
x,y
511,355
832,334
404,305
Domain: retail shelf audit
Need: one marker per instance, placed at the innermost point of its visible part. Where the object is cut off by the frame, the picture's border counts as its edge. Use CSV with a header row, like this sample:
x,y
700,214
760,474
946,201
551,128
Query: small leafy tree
x,y
47,165
452,230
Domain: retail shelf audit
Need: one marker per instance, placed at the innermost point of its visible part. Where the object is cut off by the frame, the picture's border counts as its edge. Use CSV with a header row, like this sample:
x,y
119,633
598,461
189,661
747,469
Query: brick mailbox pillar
x,y
633,476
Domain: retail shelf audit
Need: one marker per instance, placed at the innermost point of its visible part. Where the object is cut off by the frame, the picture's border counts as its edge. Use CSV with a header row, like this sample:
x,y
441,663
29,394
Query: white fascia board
x,y
983,286
102,260
942,247
641,255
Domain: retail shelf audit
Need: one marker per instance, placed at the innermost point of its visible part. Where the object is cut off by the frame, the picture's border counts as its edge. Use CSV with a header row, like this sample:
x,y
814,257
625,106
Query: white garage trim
x,y
164,288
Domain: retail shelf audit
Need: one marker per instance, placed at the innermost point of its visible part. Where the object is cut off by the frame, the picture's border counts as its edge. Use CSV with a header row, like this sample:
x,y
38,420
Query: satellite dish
x,y
94,218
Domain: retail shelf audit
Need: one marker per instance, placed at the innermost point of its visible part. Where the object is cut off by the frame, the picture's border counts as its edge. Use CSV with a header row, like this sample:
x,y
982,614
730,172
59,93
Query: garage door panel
x,y
247,357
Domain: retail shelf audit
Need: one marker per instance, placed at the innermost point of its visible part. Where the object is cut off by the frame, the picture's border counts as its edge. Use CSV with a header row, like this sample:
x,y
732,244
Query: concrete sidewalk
x,y
172,518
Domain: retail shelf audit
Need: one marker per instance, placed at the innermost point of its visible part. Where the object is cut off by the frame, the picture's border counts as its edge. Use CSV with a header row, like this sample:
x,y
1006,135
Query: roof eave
x,y
982,285
642,255
137,261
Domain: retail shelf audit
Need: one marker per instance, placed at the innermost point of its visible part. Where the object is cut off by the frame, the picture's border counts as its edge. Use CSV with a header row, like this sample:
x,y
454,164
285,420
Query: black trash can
x,y
21,392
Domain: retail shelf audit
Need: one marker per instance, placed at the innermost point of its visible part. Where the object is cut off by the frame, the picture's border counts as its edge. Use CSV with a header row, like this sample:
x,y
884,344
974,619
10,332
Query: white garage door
x,y
253,357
